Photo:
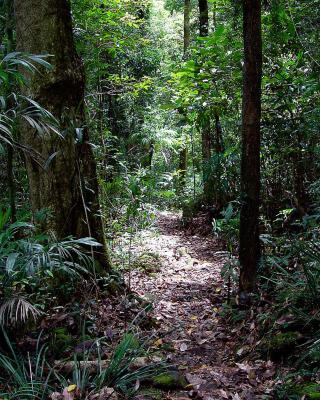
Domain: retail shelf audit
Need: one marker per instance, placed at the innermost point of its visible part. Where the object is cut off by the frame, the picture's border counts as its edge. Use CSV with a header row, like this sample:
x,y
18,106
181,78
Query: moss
x,y
170,380
61,340
284,339
282,342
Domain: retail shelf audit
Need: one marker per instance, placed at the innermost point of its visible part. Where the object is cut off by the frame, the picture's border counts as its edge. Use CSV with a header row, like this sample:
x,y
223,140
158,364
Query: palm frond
x,y
17,310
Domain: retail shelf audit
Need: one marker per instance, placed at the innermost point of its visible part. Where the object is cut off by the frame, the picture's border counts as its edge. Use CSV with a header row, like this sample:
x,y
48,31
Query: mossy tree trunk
x,y
249,252
68,188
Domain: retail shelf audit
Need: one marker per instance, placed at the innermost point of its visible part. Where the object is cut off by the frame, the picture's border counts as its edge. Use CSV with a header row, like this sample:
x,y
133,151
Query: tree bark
x,y
183,165
68,188
206,145
220,198
183,156
8,9
11,184
203,18
218,140
186,27
204,118
249,253
300,193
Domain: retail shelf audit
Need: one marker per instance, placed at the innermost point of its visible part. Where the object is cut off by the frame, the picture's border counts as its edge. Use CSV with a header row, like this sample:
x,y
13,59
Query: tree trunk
x,y
183,156
186,27
206,144
220,198
11,184
218,142
300,193
9,39
204,118
249,252
9,47
68,188
183,165
203,18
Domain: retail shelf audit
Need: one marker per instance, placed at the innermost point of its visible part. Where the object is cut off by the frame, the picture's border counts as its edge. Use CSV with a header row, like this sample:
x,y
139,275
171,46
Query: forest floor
x,y
193,329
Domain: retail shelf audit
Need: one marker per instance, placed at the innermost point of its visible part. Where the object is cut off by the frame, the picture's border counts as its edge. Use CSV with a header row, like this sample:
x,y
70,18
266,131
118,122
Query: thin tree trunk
x,y
68,189
249,252
301,196
183,156
300,193
203,18
11,184
214,16
218,146
204,118
186,27
218,142
206,144
183,162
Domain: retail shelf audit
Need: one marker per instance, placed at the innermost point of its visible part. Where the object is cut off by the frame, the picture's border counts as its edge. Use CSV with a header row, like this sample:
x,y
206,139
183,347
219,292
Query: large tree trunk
x,y
68,188
250,163
8,9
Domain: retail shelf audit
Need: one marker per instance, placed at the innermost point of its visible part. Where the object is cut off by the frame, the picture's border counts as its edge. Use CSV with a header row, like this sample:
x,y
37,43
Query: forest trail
x,y
187,293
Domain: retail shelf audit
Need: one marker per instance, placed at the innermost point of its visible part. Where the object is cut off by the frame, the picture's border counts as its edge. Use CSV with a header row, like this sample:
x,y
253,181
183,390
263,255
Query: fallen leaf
x,y
158,342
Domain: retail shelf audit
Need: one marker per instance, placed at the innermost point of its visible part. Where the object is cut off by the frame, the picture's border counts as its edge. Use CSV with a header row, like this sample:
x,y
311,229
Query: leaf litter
x,y
188,295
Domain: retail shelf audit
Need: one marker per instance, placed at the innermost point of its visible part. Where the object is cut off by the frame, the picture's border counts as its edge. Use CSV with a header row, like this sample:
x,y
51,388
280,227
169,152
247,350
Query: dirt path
x,y
187,293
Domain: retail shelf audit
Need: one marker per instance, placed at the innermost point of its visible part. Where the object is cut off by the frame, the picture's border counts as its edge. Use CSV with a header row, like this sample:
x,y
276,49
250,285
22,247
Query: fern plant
x,y
33,261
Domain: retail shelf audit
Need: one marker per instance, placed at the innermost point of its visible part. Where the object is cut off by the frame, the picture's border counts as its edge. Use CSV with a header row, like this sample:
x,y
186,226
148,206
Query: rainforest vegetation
x,y
159,199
